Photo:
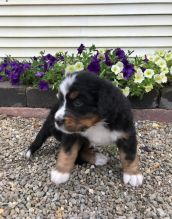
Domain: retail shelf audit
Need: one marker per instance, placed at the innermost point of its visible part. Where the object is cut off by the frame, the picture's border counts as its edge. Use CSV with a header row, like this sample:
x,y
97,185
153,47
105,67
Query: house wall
x,y
27,27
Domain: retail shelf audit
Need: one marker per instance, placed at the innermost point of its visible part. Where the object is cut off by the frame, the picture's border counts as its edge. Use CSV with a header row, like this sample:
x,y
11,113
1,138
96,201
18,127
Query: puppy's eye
x,y
77,103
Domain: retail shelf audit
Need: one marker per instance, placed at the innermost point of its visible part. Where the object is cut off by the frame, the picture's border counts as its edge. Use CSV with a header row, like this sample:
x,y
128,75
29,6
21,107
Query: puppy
x,y
89,111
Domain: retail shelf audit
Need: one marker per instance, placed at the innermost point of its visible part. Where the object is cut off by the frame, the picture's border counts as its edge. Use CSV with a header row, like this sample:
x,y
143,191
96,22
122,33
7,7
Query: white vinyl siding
x,y
27,27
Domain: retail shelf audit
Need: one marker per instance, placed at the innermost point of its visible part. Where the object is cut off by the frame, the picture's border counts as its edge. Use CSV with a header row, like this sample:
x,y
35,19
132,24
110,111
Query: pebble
x,y
161,213
92,192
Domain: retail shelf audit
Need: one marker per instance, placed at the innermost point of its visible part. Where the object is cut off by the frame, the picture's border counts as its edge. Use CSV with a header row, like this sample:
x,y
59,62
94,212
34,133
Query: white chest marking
x,y
100,135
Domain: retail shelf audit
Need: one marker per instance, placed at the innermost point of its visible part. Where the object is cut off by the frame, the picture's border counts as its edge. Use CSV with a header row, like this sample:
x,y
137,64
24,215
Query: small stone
x,y
161,213
92,167
91,191
87,171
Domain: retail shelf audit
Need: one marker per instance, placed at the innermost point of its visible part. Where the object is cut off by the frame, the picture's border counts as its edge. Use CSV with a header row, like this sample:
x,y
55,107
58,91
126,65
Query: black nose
x,y
59,121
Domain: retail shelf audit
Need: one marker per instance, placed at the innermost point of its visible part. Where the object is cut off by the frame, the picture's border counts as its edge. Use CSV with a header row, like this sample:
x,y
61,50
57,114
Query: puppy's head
x,y
78,98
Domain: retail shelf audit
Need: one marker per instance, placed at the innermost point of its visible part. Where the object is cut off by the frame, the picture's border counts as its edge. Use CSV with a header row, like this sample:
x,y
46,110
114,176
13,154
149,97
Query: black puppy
x,y
90,110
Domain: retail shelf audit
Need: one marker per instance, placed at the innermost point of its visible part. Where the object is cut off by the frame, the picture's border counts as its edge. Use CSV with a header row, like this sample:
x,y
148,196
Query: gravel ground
x,y
92,192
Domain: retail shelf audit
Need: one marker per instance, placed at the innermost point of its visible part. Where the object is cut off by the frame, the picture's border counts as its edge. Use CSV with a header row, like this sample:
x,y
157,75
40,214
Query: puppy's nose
x,y
59,121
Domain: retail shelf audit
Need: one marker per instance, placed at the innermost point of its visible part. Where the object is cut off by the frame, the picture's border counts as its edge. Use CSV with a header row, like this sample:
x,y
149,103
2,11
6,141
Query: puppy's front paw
x,y
101,159
28,154
134,180
58,177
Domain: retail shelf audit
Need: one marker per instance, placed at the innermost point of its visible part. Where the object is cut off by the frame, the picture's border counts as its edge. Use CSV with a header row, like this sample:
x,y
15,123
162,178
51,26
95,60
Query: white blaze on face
x,y
64,89
61,112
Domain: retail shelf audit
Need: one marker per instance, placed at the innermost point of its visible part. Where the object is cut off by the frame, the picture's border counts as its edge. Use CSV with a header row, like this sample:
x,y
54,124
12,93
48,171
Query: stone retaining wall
x,y
20,96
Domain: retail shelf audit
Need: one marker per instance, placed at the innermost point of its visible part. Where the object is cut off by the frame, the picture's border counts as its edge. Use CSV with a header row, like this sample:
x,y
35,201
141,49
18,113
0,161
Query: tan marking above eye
x,y
73,94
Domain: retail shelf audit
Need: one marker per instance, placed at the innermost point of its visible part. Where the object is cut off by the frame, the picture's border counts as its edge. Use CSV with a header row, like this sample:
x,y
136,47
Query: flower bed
x,y
135,76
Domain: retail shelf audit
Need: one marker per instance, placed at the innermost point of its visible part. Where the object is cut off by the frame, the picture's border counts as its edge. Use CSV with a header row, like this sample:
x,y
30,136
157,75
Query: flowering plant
x,y
133,75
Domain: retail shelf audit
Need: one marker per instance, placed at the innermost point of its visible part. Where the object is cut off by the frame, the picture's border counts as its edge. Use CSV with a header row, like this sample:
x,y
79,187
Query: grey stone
x,y
12,95
149,101
38,98
166,98
161,212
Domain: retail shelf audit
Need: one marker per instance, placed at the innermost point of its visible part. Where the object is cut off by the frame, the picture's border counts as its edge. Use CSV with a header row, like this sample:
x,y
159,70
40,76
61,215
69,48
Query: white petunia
x,y
120,76
160,52
158,79
171,70
120,65
168,56
69,69
161,63
165,70
138,77
101,53
148,73
163,77
126,91
136,68
148,88
79,66
101,56
115,82
115,69
150,57
62,52
156,58
101,50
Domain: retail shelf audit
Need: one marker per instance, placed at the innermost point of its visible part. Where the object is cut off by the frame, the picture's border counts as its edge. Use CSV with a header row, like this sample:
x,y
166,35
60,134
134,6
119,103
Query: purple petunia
x,y
94,65
49,61
60,57
120,53
107,59
50,58
7,72
39,74
26,66
45,66
1,78
3,66
146,59
81,48
14,69
14,78
128,69
43,85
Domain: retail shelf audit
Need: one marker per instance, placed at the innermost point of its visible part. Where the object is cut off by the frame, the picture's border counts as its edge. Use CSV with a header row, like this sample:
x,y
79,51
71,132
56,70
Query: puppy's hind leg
x,y
87,154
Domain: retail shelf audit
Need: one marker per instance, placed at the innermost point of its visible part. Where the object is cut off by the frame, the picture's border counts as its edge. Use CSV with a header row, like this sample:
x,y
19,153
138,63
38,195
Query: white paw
x,y
101,159
134,180
58,177
28,154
